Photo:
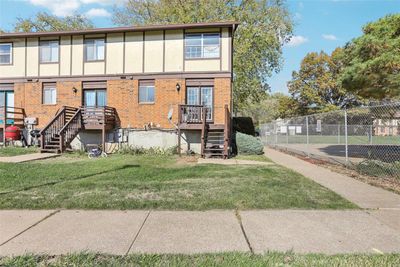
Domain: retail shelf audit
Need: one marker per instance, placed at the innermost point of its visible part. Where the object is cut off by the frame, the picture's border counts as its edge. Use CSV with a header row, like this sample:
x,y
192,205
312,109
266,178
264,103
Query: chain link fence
x,y
365,138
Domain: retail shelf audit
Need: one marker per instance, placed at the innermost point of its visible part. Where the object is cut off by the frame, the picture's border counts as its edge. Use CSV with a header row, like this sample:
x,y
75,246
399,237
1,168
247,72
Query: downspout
x,y
232,36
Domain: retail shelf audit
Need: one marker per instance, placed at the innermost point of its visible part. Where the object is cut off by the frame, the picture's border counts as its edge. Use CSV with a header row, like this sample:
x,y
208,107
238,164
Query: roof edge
x,y
230,24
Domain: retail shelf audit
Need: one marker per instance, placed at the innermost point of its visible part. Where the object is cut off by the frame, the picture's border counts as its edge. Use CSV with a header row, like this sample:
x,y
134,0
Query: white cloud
x,y
64,8
97,12
297,40
104,2
60,8
329,37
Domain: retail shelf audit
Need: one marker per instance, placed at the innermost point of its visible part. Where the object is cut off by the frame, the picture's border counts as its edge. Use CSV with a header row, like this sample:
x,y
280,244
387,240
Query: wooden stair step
x,y
53,143
45,150
214,144
213,149
215,134
51,146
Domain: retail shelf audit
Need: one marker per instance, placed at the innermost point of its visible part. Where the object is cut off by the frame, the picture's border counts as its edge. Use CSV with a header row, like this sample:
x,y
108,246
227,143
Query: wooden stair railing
x,y
11,116
70,130
50,139
190,113
203,131
99,116
227,132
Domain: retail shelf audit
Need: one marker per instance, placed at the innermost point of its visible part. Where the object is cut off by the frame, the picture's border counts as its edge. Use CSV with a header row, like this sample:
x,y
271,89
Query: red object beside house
x,y
13,133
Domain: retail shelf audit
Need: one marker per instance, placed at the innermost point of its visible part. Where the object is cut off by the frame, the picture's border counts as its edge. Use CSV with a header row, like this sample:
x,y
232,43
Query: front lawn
x,y
10,151
221,259
157,182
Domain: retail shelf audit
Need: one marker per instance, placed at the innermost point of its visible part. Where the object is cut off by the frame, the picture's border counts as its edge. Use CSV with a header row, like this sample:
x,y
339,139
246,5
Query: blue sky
x,y
320,24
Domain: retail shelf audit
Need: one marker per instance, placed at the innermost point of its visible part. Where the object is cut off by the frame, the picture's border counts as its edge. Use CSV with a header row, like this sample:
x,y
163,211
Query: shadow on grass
x,y
73,179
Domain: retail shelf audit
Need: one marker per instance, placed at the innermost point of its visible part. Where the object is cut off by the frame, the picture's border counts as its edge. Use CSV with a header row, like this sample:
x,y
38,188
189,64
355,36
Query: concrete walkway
x,y
232,161
122,232
28,157
362,194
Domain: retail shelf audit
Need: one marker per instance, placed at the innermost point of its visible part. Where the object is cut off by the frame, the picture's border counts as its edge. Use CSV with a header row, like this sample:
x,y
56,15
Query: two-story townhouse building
x,y
159,85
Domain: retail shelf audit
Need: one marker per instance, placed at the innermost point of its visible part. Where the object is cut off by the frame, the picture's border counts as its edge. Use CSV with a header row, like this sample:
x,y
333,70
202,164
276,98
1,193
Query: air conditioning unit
x,y
30,121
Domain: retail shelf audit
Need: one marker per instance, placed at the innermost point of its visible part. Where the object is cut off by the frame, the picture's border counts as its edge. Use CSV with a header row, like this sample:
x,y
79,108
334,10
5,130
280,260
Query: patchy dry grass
x,y
16,151
220,259
157,182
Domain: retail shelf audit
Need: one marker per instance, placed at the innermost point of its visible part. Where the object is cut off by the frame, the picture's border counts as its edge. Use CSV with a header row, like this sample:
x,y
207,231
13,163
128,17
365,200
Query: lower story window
x,y
49,94
94,97
201,95
146,92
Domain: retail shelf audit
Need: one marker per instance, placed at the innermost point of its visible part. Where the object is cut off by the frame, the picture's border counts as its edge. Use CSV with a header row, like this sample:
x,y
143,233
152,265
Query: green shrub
x,y
249,145
379,168
153,151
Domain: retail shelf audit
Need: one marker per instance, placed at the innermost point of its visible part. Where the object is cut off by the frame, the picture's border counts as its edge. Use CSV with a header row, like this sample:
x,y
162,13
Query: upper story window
x,y
94,49
49,94
146,91
5,53
202,45
49,51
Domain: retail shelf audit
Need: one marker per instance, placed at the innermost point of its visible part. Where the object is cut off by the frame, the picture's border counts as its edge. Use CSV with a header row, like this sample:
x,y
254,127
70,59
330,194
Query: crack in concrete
x,y
30,227
239,218
138,232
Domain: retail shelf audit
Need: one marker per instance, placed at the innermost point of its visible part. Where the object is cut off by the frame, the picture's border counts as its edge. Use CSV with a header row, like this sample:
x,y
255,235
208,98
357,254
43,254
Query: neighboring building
x,y
140,75
387,127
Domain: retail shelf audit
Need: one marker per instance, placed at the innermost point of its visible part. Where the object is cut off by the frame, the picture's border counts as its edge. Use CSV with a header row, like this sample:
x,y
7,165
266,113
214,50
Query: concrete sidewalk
x,y
232,161
123,232
28,157
362,194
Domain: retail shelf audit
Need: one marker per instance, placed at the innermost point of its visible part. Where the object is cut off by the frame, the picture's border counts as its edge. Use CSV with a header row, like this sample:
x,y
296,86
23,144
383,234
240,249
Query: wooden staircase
x,y
52,135
58,134
215,141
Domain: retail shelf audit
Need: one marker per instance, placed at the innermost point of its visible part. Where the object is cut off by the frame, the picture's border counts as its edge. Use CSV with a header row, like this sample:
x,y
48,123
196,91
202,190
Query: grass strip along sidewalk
x,y
222,259
157,182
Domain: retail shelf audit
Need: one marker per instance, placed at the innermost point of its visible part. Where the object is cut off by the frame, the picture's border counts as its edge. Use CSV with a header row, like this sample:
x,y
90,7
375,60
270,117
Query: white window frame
x,y
53,98
202,45
146,88
199,95
11,53
95,52
46,43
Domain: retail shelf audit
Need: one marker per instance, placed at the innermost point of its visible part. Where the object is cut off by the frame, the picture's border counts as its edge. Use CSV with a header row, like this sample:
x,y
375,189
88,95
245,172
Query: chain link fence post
x,y
370,134
287,135
307,138
345,137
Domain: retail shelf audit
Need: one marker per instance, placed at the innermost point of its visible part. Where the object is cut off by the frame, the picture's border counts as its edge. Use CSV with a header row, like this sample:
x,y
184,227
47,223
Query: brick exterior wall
x,y
29,96
122,95
222,97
